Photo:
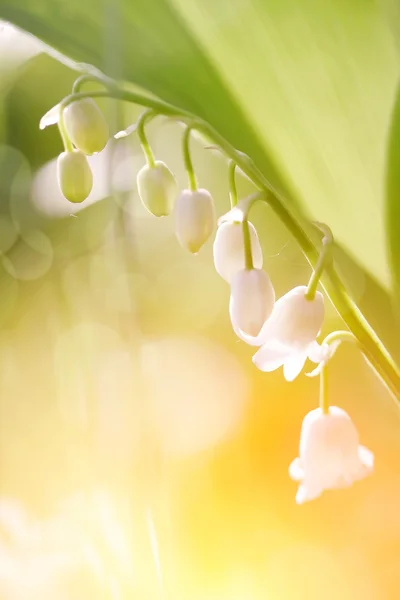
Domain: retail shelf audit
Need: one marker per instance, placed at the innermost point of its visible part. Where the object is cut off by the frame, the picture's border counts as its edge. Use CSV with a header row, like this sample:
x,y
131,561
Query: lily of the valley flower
x,y
330,456
288,336
228,249
74,176
252,301
157,188
194,218
86,126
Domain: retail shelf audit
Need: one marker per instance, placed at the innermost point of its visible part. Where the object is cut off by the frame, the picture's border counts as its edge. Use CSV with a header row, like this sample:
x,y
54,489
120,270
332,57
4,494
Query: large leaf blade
x,y
304,88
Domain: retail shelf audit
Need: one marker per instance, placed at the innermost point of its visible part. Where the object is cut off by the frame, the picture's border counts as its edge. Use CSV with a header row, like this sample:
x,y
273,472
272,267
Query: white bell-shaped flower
x,y
86,126
157,188
74,176
288,336
252,301
194,218
330,454
228,249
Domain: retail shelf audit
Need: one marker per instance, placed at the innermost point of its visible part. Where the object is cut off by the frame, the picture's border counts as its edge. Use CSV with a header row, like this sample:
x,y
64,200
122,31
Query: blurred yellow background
x,y
142,453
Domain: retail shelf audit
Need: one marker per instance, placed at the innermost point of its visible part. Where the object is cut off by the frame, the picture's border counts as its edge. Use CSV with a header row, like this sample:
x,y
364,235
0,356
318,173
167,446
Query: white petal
x,y
295,321
228,249
252,300
271,356
293,365
125,132
238,212
296,470
317,352
194,218
305,494
317,371
51,117
366,457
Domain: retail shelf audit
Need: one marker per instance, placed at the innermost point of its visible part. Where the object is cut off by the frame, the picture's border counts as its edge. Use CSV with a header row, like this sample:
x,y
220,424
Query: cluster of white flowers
x,y
285,330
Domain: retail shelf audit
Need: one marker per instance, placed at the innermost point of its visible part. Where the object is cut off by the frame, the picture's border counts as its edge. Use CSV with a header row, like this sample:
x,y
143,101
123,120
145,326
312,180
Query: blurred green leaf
x,y
393,195
304,87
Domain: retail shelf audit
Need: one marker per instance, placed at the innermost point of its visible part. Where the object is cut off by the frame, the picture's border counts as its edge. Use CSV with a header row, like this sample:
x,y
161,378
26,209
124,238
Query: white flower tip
x,y
51,117
235,215
125,132
252,301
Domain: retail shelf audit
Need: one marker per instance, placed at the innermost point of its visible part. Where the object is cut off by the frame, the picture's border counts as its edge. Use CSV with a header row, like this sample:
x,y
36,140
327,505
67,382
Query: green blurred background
x,y
142,454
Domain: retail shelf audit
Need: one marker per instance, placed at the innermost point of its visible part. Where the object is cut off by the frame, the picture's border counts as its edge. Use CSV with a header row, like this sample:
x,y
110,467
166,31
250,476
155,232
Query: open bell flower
x,y
330,456
251,302
86,126
288,337
228,249
194,218
157,188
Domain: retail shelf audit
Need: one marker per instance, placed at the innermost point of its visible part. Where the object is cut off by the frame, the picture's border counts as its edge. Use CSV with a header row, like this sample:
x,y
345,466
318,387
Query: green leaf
x,y
393,196
302,86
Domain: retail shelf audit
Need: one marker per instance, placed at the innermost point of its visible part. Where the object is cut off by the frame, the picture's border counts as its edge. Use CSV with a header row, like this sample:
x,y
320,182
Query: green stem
x,y
188,159
248,257
146,116
80,82
232,183
323,391
341,336
373,348
68,145
324,257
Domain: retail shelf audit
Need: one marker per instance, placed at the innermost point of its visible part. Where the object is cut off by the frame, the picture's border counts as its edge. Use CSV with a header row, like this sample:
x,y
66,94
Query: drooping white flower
x,y
74,176
252,301
86,126
194,218
228,249
157,188
330,456
288,336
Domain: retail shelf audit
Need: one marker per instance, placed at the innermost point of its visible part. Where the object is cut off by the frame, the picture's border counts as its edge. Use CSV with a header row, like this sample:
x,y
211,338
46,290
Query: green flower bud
x,y
74,176
86,126
157,188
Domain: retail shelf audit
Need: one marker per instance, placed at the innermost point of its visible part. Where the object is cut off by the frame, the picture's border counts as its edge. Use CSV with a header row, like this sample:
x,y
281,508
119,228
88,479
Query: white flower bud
x,y
330,455
288,336
86,126
252,300
74,176
157,188
228,249
194,218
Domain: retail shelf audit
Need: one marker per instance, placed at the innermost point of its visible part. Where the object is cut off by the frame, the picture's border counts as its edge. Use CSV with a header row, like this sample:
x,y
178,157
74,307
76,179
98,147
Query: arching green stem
x,y
248,256
145,117
80,82
68,145
232,183
188,159
373,348
324,257
340,336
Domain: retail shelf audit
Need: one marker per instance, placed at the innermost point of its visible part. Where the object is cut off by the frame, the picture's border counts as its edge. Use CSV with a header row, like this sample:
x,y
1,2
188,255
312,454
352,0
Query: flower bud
x,y
194,218
157,188
252,300
330,456
74,176
86,126
228,249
